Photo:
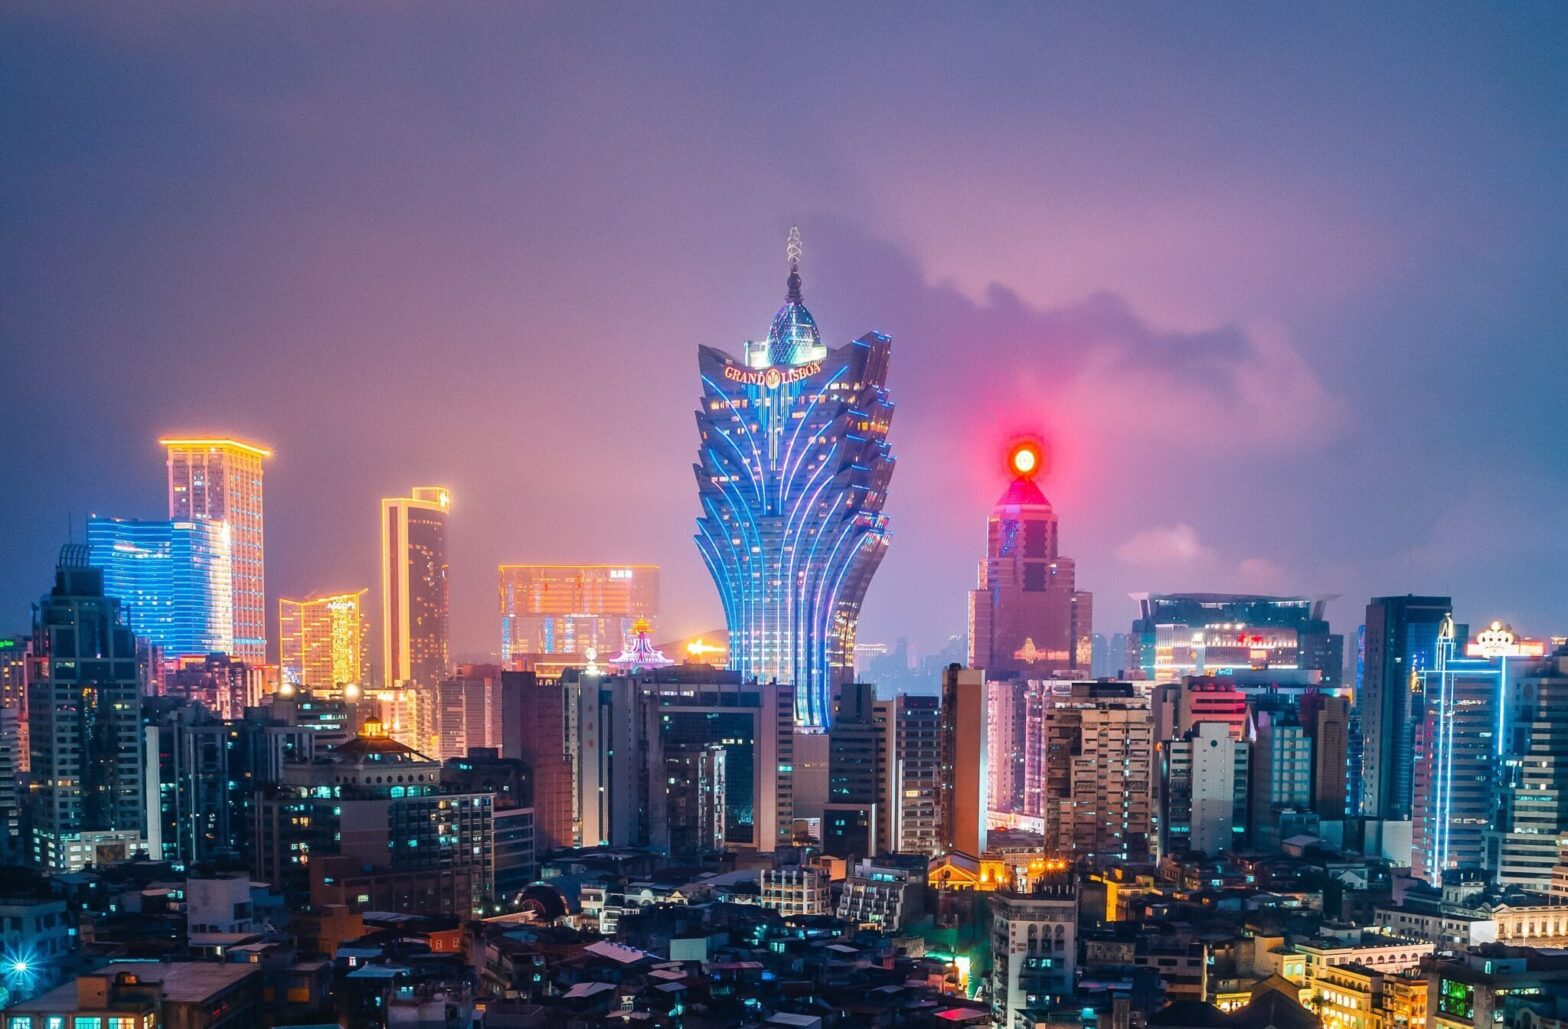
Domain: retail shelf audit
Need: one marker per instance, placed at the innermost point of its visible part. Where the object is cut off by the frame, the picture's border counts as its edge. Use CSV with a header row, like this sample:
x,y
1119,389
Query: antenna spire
x,y
792,251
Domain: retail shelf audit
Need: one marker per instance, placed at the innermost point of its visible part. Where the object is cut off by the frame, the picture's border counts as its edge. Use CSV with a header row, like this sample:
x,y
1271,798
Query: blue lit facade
x,y
173,577
792,472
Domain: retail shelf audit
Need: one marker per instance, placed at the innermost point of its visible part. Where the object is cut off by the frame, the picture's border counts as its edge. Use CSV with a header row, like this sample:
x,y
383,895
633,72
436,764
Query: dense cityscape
x,y
1226,814
800,516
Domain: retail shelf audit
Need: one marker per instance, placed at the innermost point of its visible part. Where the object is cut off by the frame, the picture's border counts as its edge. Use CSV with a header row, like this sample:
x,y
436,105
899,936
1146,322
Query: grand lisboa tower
x,y
792,471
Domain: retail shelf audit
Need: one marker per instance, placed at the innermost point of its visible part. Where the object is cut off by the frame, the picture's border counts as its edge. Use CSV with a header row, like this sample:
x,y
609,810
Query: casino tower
x,y
792,471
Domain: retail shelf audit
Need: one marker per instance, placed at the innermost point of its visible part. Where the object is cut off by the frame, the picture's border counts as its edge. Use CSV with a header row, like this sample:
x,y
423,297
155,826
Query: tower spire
x,y
792,251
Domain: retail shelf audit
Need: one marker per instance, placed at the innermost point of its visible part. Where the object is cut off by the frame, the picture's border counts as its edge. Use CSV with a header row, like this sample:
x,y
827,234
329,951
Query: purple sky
x,y
1283,287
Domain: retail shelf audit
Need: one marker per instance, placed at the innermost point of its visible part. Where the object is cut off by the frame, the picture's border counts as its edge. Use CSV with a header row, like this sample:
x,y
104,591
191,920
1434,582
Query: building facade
x,y
965,775
414,589
1181,634
793,466
322,641
172,578
219,480
552,615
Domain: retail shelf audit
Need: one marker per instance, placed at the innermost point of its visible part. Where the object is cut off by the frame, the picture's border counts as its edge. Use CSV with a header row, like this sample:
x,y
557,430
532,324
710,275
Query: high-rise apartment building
x,y
1182,634
1008,724
538,726
911,808
1326,720
462,712
792,470
322,640
552,615
1098,793
414,590
1400,646
1203,791
84,700
219,480
1027,616
172,578
14,665
965,777
1280,778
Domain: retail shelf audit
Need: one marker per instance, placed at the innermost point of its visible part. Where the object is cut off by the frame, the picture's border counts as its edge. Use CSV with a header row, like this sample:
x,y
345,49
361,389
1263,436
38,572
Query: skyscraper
x,y
172,578
1530,826
220,480
1456,755
963,738
792,472
1027,615
1400,645
1098,791
911,810
551,615
414,587
322,640
84,699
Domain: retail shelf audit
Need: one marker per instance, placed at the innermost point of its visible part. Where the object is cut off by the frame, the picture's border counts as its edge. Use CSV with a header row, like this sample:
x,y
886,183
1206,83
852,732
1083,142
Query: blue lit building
x,y
792,472
1399,647
173,577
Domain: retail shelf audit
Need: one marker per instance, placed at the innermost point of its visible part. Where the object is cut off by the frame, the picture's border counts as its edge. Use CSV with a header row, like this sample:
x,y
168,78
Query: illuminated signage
x,y
772,378
620,573
1497,640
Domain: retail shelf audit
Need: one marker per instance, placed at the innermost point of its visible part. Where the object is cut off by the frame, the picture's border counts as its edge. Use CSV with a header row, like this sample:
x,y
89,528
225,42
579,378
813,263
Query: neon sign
x,y
772,378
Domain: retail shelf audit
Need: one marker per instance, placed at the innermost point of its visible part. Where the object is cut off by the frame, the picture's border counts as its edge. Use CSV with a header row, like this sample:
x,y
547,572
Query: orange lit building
x,y
322,640
219,479
964,777
414,591
552,615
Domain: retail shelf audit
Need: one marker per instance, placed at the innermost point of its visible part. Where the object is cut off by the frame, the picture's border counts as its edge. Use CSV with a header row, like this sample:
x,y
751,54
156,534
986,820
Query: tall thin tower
x,y
792,470
414,591
219,479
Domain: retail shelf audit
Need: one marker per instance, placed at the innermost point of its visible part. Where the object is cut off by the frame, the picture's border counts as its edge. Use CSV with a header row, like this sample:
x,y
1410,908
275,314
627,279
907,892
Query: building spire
x,y
792,251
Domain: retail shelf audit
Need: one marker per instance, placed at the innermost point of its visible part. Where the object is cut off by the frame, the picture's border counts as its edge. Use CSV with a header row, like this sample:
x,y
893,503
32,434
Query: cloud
x,y
1259,573
1164,547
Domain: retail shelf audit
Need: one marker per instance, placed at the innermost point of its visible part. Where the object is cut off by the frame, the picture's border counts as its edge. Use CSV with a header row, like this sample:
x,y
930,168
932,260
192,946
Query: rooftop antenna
x,y
792,251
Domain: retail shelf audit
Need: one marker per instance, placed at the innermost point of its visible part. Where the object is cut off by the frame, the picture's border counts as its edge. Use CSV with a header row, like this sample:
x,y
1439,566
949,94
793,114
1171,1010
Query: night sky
x,y
1283,287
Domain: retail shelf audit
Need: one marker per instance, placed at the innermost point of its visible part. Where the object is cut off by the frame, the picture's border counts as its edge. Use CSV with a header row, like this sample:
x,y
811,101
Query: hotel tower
x,y
414,587
220,480
792,471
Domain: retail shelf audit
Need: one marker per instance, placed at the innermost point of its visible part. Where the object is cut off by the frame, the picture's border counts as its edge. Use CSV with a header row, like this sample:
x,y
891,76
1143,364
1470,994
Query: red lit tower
x,y
1027,618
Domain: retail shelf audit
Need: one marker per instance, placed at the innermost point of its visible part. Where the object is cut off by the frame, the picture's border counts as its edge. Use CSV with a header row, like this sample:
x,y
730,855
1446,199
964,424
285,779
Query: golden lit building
x,y
552,615
322,640
414,592
219,479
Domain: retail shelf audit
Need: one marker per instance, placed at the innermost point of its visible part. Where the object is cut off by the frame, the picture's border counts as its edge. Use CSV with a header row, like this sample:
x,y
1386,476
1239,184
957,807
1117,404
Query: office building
x,y
191,815
1531,814
1400,647
322,640
1098,792
172,578
510,782
219,480
379,804
1007,722
1027,615
553,615
792,471
911,807
1034,950
1203,791
414,590
1456,761
1181,634
87,803
964,741
625,727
